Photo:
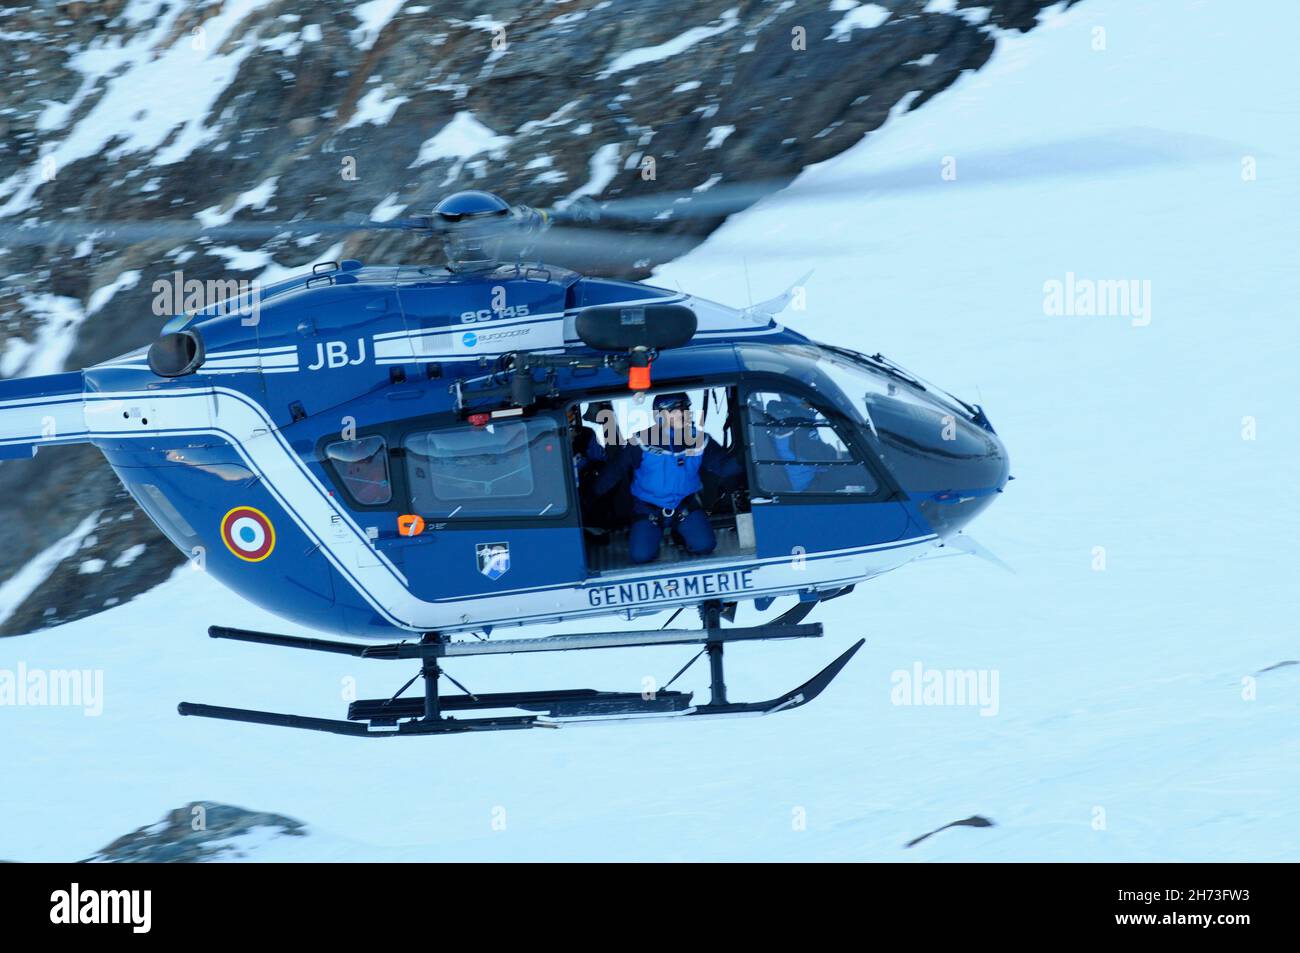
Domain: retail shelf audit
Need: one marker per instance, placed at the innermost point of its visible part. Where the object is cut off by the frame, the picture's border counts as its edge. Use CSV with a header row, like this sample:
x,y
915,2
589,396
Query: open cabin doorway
x,y
599,433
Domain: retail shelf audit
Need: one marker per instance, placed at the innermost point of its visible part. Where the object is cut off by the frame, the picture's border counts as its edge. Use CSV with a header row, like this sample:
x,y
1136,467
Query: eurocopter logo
x,y
73,906
493,559
470,338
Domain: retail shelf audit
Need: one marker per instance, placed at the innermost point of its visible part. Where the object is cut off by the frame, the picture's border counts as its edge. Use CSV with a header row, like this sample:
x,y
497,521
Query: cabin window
x,y
362,466
796,449
512,469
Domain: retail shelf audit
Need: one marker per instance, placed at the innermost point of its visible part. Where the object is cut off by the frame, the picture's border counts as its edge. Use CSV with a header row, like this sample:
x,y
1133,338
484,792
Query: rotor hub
x,y
473,224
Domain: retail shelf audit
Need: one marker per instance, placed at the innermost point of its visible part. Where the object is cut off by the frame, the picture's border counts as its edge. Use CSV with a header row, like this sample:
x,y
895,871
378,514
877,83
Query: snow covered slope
x,y
1133,719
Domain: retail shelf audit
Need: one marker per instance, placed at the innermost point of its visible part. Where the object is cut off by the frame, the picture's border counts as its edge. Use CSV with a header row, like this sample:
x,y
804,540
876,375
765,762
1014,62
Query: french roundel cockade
x,y
248,533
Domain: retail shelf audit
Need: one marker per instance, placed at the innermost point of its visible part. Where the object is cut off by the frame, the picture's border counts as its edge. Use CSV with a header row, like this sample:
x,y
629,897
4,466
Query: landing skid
x,y
428,715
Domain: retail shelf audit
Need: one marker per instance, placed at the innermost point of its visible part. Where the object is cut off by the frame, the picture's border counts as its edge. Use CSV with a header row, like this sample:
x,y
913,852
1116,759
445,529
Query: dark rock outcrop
x,y
199,832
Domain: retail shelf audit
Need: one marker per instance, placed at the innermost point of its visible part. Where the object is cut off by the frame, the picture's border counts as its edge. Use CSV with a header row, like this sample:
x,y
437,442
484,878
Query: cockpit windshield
x,y
923,390
847,378
893,405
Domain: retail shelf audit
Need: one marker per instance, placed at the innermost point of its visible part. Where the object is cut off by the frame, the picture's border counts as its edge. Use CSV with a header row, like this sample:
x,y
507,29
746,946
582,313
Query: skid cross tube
x,y
431,675
441,648
711,616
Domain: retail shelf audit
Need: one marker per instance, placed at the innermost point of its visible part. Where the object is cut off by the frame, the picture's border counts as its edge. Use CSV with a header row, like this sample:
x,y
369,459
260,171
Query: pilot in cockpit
x,y
787,433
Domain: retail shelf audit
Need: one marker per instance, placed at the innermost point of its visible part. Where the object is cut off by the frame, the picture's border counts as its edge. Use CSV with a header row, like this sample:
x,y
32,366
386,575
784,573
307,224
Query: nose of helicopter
x,y
973,481
952,469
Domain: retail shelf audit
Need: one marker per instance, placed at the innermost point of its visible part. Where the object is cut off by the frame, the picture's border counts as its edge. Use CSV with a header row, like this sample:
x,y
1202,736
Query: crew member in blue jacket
x,y
665,462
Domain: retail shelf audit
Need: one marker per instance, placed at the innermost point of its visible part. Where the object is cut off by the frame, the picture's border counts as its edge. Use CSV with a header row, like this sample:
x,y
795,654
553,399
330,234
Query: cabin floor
x,y
611,556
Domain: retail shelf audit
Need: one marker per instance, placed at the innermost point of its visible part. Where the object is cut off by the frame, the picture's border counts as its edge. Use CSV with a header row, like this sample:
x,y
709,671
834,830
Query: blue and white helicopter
x,y
386,453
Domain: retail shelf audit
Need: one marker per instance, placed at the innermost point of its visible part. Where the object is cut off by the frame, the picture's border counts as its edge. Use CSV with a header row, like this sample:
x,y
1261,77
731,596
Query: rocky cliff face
x,y
250,110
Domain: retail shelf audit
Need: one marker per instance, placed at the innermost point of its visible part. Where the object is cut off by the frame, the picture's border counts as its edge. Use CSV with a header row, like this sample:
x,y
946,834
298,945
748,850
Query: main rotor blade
x,y
592,246
129,233
1094,156
1086,156
601,247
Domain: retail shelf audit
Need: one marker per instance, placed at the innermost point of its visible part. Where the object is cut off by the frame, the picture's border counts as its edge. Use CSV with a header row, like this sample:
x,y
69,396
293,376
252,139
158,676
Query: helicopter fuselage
x,y
239,462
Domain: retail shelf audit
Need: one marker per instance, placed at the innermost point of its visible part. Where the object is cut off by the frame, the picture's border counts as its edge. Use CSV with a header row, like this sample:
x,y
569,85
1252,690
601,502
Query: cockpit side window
x,y
362,467
796,449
